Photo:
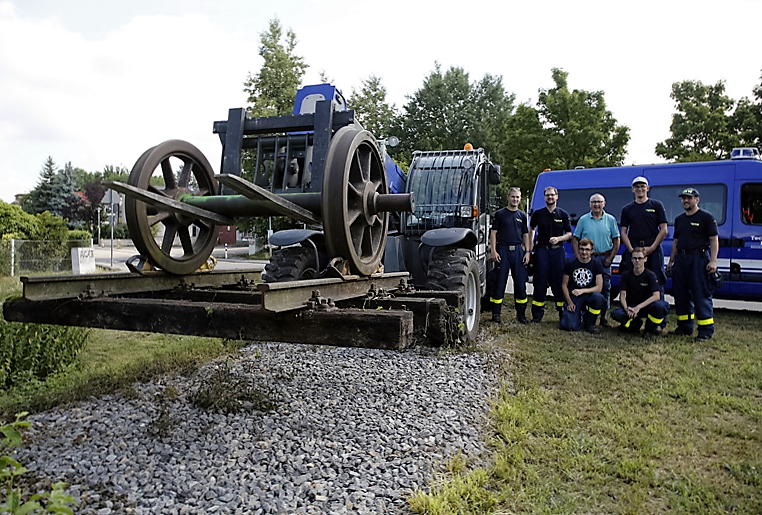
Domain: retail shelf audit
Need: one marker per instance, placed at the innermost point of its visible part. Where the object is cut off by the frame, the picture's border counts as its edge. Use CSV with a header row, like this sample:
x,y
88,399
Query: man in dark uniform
x,y
693,258
553,229
509,241
644,224
640,296
582,285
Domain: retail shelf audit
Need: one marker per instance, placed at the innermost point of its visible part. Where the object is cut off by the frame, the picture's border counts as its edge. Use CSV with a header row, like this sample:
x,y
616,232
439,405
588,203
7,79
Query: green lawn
x,y
617,424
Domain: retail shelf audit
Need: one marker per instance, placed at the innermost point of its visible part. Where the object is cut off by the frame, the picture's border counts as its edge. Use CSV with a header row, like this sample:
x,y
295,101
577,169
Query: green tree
x,y
371,108
272,90
42,197
568,128
271,93
701,128
579,128
449,111
15,222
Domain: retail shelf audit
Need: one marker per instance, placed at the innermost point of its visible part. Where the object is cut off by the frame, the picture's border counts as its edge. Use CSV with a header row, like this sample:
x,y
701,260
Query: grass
x,y
617,424
111,361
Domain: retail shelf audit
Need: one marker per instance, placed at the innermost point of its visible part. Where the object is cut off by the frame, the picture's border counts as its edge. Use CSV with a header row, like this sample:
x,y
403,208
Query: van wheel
x,y
457,270
290,264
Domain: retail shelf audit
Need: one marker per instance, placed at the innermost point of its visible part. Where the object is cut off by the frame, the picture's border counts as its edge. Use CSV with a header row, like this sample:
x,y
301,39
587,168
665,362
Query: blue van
x,y
731,190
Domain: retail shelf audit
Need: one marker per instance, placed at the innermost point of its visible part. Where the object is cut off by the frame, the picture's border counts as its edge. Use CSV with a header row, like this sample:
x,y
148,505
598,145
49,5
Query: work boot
x,y
605,322
680,332
592,329
521,316
496,317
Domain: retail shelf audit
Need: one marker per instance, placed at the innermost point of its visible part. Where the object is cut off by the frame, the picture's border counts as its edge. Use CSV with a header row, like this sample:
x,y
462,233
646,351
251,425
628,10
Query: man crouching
x,y
640,296
585,301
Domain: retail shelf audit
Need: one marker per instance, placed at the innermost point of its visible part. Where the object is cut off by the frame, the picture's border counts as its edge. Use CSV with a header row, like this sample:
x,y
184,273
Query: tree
x,y
579,128
15,222
448,111
568,128
371,108
271,93
42,197
701,128
272,90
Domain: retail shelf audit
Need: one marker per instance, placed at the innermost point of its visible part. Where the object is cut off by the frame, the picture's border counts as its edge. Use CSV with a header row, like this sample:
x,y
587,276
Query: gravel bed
x,y
343,431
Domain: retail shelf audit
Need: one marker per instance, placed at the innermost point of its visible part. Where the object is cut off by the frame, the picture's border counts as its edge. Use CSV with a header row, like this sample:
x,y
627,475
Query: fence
x,y
19,257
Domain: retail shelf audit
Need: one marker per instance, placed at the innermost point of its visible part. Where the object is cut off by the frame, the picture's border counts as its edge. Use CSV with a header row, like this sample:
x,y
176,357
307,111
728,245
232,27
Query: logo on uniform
x,y
583,277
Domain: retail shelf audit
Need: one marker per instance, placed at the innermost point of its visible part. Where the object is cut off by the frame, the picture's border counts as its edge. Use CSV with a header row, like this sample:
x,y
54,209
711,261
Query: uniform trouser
x,y
690,288
589,306
606,290
548,271
655,314
510,261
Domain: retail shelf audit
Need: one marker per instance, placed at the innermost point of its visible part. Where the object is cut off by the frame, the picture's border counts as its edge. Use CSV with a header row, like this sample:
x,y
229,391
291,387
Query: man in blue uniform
x,y
509,241
553,228
693,258
644,224
582,284
640,296
601,228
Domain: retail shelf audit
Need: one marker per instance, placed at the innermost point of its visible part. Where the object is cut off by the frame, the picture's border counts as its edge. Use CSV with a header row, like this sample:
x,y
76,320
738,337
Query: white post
x,y
13,254
111,222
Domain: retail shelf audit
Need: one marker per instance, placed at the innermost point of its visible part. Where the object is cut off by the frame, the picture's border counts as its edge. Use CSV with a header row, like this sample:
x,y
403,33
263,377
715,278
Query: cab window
x,y
751,203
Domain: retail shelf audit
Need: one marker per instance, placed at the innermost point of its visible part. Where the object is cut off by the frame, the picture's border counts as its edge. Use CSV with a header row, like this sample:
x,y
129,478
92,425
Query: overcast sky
x,y
97,82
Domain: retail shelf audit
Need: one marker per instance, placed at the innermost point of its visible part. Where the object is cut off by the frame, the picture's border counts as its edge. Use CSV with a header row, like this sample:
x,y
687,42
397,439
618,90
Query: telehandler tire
x,y
457,270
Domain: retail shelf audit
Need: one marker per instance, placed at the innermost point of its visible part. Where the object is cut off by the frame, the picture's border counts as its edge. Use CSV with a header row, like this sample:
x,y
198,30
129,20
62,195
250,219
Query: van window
x,y
751,203
713,199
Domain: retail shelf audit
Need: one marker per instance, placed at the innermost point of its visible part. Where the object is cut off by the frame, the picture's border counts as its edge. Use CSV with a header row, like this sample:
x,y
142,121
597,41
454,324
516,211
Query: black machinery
x,y
320,168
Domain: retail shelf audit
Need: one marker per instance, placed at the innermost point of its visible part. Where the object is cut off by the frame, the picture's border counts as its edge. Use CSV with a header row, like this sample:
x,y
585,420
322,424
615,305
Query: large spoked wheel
x,y
354,177
176,243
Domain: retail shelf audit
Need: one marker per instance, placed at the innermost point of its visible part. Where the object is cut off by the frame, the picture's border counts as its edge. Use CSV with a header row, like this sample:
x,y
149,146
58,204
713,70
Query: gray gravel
x,y
350,431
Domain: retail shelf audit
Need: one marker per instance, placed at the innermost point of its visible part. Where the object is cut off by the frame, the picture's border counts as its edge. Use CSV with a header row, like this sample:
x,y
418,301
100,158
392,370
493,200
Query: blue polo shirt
x,y
602,231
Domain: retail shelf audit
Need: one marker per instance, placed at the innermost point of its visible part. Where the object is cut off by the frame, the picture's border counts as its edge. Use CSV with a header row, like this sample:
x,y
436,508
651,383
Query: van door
x,y
746,261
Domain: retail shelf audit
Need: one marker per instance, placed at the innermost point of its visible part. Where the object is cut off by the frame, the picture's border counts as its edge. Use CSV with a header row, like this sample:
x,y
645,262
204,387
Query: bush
x,y
120,232
35,351
80,234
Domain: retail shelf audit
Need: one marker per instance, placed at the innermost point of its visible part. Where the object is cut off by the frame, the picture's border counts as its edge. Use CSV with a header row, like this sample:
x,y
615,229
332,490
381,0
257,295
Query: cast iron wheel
x,y
172,169
354,176
290,264
457,270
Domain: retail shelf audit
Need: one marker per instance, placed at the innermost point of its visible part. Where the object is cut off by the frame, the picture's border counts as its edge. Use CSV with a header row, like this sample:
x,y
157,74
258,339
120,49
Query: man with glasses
x,y
644,224
692,259
582,284
553,228
640,296
601,228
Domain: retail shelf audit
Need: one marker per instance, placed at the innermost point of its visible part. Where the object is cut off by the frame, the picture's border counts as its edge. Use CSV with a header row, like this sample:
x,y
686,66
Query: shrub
x,y
80,234
35,351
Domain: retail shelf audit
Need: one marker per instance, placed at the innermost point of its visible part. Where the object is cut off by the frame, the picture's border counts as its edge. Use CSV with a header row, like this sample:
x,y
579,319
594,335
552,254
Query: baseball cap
x,y
689,192
639,179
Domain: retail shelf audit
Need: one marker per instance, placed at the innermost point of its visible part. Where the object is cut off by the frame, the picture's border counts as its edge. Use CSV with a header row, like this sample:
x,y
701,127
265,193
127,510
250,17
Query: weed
x,y
229,391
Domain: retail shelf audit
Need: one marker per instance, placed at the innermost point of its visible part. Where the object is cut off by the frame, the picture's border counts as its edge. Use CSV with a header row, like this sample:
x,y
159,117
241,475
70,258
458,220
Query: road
x,y
237,258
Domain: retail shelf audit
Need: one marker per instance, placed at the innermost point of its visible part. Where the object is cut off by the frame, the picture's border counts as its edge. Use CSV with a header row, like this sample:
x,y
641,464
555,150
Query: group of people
x,y
581,285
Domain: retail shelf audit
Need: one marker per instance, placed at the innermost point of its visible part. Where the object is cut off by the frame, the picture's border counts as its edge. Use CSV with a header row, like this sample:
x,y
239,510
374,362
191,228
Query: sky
x,y
97,82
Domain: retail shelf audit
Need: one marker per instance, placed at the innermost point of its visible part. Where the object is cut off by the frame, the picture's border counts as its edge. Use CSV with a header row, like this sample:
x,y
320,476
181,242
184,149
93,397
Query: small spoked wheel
x,y
354,177
176,243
